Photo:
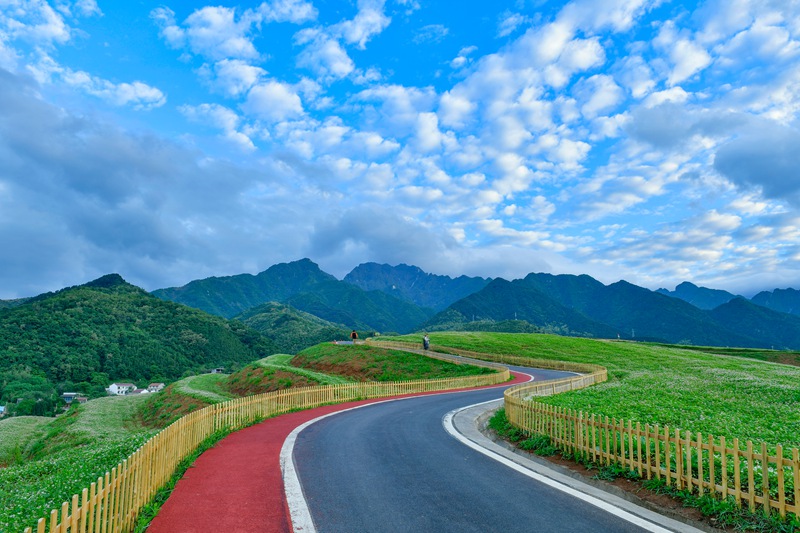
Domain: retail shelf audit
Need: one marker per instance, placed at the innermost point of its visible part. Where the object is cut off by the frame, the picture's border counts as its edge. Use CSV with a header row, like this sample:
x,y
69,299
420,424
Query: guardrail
x,y
113,502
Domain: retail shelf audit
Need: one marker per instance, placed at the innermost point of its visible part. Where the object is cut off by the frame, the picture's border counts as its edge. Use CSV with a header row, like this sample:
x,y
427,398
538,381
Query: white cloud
x,y
233,77
462,58
428,135
635,75
686,55
368,22
34,21
323,55
432,33
222,118
294,11
509,22
136,94
599,95
273,101
215,32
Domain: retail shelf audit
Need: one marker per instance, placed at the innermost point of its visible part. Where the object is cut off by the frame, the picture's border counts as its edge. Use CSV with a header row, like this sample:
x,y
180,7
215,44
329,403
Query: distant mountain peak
x,y
109,281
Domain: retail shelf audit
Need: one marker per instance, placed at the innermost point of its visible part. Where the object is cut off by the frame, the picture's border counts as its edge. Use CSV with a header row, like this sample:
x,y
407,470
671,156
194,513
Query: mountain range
x,y
404,298
80,338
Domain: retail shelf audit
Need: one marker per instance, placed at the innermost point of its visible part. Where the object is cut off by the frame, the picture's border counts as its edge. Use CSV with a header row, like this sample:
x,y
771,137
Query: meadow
x,y
59,457
683,388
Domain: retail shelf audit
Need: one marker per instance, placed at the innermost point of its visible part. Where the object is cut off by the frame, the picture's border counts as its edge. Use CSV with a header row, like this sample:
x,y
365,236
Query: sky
x,y
651,141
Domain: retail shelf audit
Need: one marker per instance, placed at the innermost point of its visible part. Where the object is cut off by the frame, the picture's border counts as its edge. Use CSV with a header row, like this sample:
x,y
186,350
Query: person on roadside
x,y
354,336
426,342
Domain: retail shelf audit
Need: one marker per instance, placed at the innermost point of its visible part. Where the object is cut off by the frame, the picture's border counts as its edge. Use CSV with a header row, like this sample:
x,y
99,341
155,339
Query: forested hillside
x,y
81,338
412,284
290,329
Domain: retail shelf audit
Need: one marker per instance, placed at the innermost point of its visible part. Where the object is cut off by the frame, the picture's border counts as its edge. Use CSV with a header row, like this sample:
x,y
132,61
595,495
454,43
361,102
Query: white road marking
x,y
447,422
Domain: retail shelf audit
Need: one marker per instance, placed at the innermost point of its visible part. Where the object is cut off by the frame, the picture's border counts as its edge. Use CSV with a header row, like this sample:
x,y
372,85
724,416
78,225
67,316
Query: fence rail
x,y
113,502
754,475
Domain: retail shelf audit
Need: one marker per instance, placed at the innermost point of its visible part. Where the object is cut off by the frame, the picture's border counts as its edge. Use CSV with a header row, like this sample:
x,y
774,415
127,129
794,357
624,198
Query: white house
x,y
121,389
155,387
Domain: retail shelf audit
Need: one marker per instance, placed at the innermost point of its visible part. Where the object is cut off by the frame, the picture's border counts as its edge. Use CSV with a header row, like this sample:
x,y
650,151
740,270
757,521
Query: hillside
x,y
582,306
411,284
340,302
503,300
81,338
700,297
231,295
782,300
290,329
304,286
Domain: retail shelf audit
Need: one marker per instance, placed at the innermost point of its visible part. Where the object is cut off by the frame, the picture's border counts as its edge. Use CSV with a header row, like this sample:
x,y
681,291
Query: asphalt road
x,y
391,467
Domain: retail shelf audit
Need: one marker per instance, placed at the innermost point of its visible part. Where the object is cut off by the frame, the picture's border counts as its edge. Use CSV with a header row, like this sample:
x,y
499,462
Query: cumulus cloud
x,y
274,101
323,55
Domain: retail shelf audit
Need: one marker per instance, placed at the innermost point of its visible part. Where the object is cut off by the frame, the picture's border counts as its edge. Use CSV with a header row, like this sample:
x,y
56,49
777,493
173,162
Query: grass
x,y
282,362
65,455
15,435
371,363
206,387
686,389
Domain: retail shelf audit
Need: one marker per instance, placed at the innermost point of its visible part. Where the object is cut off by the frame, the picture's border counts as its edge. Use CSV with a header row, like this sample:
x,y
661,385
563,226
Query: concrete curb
x,y
472,423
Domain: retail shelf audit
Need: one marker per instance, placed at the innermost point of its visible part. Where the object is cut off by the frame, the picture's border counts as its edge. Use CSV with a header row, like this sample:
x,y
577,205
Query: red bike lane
x,y
237,486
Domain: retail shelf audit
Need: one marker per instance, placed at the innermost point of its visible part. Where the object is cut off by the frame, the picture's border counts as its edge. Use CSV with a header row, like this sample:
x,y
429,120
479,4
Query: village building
x,y
121,389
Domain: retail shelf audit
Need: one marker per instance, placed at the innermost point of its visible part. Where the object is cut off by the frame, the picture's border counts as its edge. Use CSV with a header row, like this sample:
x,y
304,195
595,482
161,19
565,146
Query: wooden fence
x,y
756,475
113,502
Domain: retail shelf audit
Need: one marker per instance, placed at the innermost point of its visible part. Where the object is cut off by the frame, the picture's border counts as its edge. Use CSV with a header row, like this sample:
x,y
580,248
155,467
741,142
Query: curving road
x,y
392,467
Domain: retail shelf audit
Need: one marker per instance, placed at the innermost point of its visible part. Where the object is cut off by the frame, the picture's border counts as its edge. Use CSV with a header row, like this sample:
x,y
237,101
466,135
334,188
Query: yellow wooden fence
x,y
755,475
113,502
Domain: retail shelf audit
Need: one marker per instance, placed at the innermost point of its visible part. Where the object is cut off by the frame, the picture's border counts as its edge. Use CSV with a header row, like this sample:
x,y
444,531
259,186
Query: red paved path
x,y
236,486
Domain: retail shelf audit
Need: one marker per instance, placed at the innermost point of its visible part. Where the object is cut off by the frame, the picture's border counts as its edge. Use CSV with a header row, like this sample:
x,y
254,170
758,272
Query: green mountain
x,y
503,300
581,305
782,300
340,302
228,296
304,286
290,329
701,297
411,284
83,337
767,328
5,304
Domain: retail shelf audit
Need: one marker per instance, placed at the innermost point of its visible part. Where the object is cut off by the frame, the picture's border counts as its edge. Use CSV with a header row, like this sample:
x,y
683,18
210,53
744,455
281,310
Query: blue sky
x,y
655,142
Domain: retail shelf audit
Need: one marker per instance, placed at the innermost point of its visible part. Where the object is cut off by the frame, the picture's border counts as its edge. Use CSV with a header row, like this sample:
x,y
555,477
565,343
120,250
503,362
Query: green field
x,y
687,389
65,455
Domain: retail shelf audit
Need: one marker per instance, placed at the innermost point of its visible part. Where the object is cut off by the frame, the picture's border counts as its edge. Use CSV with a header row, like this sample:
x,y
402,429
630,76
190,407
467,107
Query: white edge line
x,y
447,422
295,499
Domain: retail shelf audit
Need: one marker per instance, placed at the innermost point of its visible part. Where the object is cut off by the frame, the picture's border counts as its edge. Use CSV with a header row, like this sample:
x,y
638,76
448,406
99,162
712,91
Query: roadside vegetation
x,y
686,389
364,362
52,458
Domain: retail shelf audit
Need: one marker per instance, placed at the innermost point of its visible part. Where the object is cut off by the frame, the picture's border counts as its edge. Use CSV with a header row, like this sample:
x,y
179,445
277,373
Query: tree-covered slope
x,y
412,284
290,329
503,300
343,303
700,297
228,296
767,328
83,336
782,300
